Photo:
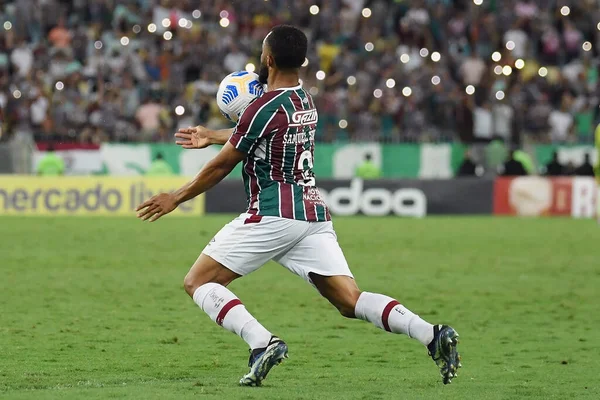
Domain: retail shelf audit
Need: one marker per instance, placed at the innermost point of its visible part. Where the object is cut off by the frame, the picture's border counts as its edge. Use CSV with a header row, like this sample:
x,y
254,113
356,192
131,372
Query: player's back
x,y
277,131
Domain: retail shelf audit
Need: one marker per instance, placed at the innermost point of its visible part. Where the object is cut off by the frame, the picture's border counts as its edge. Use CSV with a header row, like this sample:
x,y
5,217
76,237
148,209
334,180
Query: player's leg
x,y
320,260
240,248
206,284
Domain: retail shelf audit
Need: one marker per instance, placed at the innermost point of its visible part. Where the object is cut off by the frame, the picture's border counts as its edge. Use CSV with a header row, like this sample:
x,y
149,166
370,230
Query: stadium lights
x,y
151,28
477,2
124,41
598,26
587,46
136,29
390,83
470,90
189,24
406,91
435,80
510,45
98,45
250,67
543,72
314,9
320,75
167,35
166,22
313,91
519,64
507,70
377,93
366,12
7,26
224,14
500,95
343,124
182,22
351,80
404,58
196,14
17,94
424,52
224,22
59,85
179,110
435,56
498,70
369,46
565,10
305,63
496,56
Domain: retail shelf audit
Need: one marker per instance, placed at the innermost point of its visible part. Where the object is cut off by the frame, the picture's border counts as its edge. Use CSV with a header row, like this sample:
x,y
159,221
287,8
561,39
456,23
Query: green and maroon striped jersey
x,y
277,131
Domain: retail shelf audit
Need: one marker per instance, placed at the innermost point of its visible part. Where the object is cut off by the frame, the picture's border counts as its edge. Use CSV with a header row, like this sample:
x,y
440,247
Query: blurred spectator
x,y
526,161
585,169
159,167
51,164
513,167
468,166
554,167
367,169
483,127
561,124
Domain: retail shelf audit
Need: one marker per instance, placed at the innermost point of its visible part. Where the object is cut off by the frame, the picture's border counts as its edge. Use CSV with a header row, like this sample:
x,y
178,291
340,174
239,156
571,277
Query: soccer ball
x,y
236,91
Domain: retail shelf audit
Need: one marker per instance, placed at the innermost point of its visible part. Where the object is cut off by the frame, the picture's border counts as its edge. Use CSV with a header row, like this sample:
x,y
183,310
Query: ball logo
x,y
230,94
302,118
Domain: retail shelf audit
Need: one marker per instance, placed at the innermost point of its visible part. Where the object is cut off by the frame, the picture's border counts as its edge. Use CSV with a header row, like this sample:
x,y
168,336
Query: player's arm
x,y
200,137
212,173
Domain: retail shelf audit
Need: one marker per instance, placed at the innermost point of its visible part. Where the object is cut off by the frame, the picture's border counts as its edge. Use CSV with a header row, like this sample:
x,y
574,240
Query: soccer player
x,y
286,221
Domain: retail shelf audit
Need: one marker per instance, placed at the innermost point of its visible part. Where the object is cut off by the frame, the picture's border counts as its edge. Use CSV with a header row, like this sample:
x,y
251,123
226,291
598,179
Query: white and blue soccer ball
x,y
236,91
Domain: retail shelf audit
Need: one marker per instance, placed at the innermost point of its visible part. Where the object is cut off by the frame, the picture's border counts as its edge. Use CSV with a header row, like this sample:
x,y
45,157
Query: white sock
x,y
386,313
223,307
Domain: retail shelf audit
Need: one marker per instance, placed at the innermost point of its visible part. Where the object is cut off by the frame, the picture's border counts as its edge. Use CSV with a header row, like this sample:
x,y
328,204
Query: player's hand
x,y
193,137
156,207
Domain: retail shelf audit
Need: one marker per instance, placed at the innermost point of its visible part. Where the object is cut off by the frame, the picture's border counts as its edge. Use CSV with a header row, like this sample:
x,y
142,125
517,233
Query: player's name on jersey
x,y
298,138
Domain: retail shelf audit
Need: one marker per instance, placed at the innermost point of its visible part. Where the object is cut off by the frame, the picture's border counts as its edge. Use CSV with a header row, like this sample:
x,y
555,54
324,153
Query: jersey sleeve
x,y
255,122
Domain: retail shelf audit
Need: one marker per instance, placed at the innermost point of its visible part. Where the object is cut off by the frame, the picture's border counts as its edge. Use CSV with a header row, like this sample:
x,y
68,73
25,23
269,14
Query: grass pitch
x,y
94,308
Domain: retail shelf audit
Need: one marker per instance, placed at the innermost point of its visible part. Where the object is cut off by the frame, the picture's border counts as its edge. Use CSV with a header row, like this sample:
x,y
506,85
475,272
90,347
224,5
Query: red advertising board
x,y
540,196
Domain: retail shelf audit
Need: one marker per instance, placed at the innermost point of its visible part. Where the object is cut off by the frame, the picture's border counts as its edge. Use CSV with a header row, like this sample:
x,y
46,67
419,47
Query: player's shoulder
x,y
271,100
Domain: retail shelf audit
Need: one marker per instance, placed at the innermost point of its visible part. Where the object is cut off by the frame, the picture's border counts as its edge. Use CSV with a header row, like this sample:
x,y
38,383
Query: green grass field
x,y
94,309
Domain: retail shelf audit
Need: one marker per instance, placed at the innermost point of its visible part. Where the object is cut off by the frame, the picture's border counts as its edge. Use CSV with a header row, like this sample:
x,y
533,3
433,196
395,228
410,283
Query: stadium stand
x,y
389,71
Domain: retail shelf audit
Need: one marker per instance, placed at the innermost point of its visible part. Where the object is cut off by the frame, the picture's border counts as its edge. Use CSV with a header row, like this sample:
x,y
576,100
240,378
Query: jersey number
x,y
308,177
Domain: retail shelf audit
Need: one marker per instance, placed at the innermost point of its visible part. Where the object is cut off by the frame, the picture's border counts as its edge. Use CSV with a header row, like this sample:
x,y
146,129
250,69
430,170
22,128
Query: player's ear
x,y
270,61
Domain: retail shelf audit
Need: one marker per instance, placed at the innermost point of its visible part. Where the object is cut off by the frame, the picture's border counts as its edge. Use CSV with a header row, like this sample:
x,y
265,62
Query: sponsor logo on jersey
x,y
306,117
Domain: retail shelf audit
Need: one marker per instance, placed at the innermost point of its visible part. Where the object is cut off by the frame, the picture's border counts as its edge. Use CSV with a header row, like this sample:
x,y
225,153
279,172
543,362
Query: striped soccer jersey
x,y
277,132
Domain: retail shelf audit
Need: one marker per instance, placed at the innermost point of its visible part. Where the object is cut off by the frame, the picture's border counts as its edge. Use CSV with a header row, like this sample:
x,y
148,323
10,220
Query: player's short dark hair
x,y
288,45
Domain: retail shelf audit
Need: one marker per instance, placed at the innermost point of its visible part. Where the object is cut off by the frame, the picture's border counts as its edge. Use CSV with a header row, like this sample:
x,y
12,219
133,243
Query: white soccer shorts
x,y
249,241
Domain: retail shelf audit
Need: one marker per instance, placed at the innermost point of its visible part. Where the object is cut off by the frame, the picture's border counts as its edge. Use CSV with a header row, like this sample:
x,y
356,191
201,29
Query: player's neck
x,y
283,80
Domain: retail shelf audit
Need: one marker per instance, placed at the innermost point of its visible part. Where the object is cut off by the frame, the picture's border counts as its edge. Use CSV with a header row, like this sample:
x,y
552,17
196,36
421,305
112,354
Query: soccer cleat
x,y
262,360
442,350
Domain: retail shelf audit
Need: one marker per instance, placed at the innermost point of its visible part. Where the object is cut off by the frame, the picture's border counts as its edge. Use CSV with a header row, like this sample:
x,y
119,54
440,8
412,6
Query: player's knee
x,y
190,284
347,303
193,281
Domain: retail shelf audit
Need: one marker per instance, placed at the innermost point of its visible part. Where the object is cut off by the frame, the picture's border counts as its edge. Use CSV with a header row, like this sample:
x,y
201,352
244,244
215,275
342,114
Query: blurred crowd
x,y
386,70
